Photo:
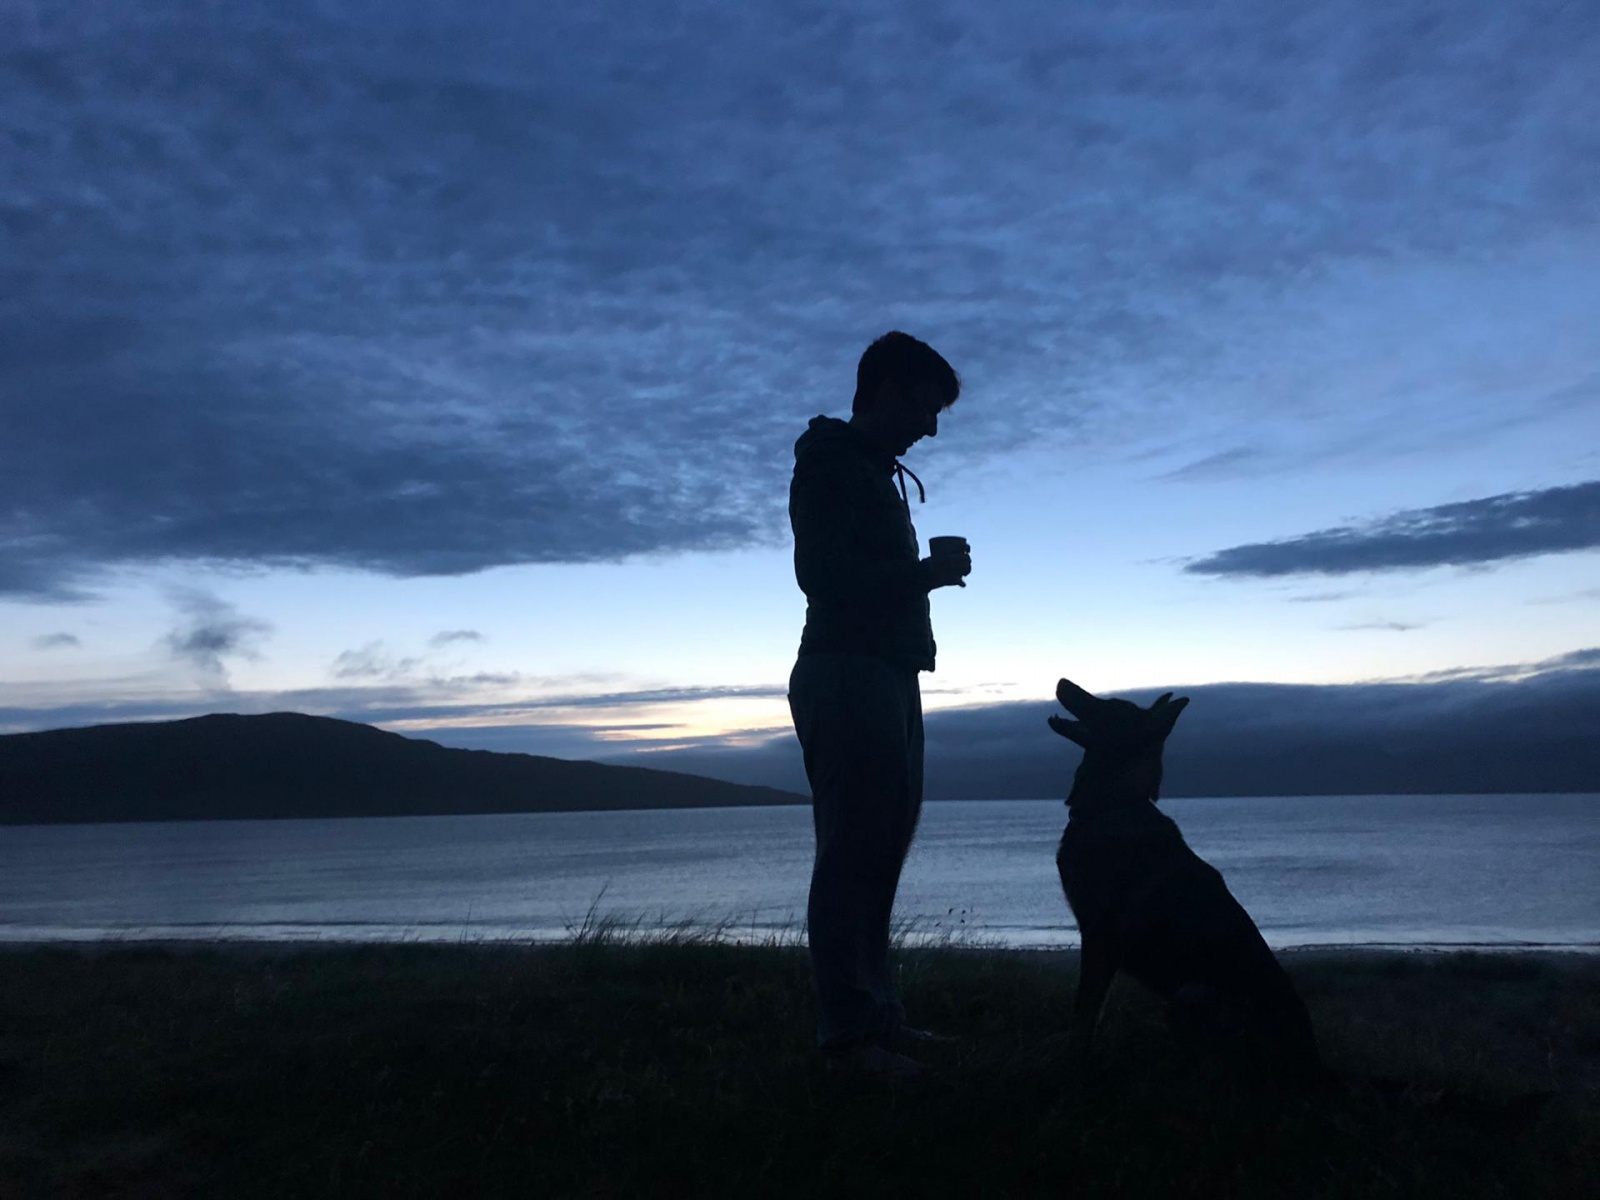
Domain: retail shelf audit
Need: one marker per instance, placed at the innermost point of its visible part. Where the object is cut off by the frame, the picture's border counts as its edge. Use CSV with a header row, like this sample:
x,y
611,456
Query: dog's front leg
x,y
1096,966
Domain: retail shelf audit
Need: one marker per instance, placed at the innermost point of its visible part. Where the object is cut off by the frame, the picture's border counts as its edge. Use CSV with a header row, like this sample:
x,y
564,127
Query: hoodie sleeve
x,y
840,558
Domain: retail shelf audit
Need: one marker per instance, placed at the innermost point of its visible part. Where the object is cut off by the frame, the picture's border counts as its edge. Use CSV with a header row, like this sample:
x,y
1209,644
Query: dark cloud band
x,y
1494,529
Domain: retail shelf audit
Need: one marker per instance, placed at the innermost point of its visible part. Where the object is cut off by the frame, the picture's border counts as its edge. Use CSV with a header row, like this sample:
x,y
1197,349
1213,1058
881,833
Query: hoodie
x,y
855,550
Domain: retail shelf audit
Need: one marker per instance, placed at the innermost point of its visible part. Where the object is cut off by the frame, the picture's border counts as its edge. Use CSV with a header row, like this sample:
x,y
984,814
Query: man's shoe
x,y
909,1037
869,1058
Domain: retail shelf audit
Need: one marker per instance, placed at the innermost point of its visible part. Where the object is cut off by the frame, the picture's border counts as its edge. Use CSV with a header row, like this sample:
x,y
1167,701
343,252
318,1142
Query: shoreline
x,y
273,947
801,802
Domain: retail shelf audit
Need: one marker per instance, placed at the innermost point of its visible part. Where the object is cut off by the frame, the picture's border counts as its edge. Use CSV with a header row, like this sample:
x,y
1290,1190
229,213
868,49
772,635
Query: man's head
x,y
902,385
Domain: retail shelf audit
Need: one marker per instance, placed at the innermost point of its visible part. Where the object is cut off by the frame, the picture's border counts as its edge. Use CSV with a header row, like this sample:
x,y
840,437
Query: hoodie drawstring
x,y
901,471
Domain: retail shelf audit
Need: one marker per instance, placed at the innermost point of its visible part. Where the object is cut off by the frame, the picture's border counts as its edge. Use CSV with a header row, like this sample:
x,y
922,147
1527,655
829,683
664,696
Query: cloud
x,y
1574,660
1495,529
489,678
422,289
1385,626
447,637
55,641
1582,596
372,661
441,700
390,699
1224,464
210,630
553,739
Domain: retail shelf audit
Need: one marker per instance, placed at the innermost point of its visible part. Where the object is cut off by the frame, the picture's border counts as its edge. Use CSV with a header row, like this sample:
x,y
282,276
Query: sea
x,y
1518,871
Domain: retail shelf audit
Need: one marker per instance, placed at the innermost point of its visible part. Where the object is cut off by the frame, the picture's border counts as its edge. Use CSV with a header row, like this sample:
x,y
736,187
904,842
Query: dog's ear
x,y
1075,700
1070,730
1167,710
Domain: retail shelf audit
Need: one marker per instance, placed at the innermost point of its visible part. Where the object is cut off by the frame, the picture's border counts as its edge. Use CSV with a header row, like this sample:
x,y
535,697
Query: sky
x,y
440,366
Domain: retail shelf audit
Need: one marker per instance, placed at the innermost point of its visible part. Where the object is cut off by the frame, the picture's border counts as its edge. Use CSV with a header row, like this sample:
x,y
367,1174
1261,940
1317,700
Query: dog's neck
x,y
1102,783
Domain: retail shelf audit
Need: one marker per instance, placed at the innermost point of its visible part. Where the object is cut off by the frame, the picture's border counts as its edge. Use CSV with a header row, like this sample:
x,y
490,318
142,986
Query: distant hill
x,y
231,767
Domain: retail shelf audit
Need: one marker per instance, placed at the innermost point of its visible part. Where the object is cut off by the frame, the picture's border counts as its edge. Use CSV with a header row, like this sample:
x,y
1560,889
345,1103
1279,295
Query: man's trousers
x,y
859,720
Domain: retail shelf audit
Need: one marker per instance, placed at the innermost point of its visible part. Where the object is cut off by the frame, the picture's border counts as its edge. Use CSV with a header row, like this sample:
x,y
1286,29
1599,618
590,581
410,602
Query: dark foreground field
x,y
623,1070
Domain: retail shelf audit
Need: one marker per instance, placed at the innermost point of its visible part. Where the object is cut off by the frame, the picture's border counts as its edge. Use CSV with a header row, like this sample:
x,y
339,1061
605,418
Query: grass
x,y
615,1065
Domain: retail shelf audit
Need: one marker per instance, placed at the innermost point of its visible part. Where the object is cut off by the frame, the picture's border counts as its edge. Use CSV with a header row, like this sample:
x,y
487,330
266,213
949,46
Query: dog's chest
x,y
1108,855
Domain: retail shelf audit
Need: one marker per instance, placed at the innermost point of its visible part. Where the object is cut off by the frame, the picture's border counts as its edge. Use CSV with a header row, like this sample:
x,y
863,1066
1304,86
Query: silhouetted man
x,y
853,693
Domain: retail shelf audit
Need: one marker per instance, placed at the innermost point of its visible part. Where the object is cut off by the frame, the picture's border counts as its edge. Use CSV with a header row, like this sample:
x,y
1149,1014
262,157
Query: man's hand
x,y
945,570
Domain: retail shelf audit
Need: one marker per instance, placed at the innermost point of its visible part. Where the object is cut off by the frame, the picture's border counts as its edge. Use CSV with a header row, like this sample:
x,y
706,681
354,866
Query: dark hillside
x,y
226,766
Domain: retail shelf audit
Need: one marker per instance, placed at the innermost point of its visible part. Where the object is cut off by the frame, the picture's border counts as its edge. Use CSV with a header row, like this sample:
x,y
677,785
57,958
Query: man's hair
x,y
900,359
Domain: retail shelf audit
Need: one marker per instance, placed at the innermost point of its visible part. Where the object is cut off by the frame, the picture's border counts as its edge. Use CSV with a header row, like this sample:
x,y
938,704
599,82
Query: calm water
x,y
1409,870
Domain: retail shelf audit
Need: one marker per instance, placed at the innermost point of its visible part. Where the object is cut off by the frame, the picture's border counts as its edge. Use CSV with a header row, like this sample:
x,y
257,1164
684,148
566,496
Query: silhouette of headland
x,y
279,765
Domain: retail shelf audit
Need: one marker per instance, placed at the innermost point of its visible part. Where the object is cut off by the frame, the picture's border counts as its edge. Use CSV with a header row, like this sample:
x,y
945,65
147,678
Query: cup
x,y
938,547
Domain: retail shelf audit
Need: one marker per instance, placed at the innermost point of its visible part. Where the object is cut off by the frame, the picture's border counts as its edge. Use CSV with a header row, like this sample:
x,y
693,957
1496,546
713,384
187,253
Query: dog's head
x,y
1121,741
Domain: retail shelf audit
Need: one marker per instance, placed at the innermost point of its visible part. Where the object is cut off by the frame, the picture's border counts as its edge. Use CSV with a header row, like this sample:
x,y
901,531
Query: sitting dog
x,y
1146,903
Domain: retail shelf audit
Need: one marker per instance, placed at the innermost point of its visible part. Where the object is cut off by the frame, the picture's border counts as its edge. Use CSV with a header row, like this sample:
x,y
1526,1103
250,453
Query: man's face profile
x,y
909,415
